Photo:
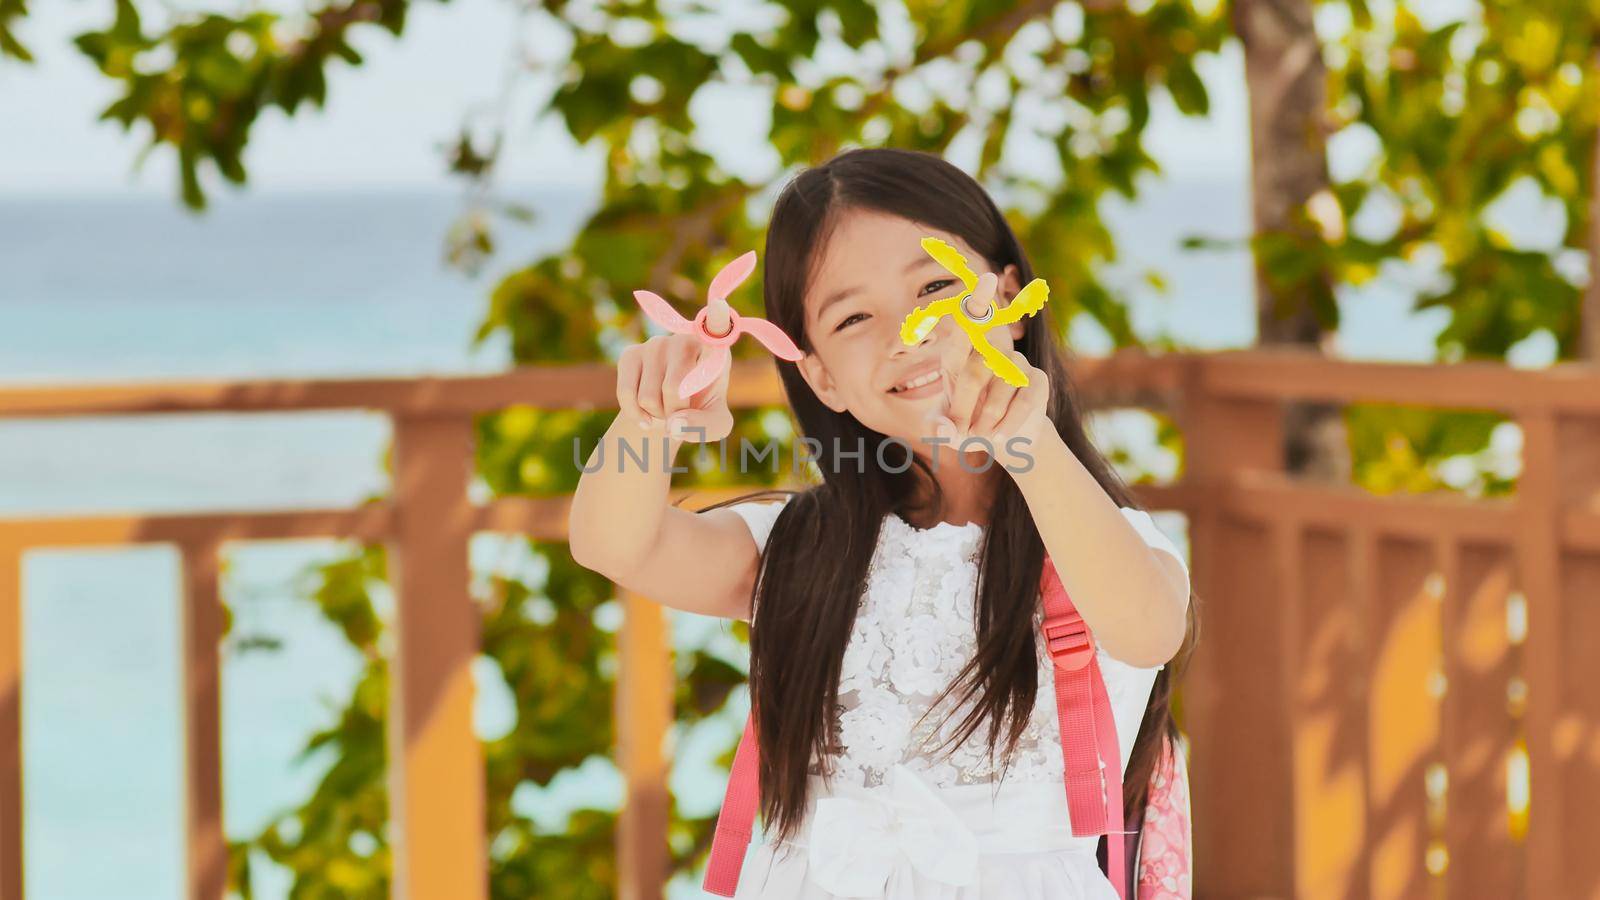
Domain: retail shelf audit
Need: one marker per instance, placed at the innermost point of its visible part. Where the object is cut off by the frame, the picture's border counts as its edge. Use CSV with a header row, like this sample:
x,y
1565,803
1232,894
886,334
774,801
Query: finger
x,y
969,385
711,363
701,425
1022,408
1026,403
629,367
980,300
680,359
1000,338
939,417
1038,380
992,408
650,379
986,295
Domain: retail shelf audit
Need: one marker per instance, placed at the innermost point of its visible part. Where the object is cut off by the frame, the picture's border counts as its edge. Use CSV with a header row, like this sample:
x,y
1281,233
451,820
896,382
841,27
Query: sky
x,y
386,121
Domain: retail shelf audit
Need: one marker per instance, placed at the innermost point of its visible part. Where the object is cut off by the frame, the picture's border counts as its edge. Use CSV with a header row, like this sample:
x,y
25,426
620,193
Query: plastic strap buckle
x,y
1068,640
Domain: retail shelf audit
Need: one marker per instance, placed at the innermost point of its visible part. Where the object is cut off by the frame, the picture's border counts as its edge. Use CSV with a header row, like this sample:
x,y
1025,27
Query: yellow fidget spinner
x,y
924,319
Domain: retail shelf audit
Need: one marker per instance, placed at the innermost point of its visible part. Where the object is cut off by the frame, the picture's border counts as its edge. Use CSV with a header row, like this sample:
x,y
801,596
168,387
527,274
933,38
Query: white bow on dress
x,y
874,845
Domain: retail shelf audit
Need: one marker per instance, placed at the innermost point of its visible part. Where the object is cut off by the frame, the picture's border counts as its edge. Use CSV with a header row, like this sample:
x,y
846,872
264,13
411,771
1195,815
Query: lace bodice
x,y
913,633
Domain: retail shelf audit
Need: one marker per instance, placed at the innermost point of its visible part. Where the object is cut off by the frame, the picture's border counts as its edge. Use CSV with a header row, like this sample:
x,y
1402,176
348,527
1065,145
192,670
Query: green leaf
x,y
1188,91
12,11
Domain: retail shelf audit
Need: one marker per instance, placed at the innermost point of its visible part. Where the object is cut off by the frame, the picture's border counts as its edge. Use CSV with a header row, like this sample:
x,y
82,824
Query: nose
x,y
899,348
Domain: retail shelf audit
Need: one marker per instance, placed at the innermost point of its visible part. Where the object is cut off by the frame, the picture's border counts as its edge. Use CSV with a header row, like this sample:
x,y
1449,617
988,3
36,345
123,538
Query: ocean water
x,y
110,288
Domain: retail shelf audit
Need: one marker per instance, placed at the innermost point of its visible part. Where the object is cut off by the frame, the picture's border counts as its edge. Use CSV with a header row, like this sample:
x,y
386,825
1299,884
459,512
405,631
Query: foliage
x,y
1409,450
1459,115
333,842
10,44
1463,112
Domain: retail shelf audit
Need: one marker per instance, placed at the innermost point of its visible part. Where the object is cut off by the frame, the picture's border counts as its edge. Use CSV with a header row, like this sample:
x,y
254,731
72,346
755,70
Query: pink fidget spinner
x,y
717,326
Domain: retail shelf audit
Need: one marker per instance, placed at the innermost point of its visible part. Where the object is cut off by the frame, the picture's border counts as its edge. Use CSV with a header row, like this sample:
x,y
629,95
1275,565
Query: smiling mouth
x,y
912,384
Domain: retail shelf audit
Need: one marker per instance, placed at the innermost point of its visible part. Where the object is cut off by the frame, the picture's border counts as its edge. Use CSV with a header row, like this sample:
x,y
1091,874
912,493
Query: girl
x,y
894,609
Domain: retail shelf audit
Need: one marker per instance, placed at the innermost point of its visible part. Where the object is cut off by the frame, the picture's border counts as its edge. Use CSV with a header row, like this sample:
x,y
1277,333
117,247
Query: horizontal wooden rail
x,y
586,386
1294,374
1265,496
1281,374
540,518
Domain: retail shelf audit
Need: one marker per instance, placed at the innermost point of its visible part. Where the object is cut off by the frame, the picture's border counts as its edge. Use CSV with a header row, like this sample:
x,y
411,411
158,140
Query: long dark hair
x,y
814,565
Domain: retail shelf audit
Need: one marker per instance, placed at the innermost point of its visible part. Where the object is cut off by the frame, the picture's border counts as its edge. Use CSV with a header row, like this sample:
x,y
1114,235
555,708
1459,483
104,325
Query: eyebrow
x,y
916,263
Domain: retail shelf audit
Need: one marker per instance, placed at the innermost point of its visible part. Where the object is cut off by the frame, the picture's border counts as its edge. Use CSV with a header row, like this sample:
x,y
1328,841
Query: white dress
x,y
895,821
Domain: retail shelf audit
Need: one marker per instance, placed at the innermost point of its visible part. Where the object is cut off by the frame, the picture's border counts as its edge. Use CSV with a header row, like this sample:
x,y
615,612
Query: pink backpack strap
x,y
1088,729
1088,737
736,821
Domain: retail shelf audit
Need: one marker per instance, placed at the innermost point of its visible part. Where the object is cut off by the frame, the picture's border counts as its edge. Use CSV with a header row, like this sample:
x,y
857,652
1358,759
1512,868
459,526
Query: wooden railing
x,y
1375,673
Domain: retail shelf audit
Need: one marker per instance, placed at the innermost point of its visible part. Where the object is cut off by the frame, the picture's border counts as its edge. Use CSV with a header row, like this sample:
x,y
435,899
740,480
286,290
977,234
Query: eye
x,y
939,283
848,319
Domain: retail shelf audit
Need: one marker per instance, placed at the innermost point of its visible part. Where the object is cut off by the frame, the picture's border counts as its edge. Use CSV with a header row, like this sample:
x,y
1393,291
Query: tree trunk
x,y
1286,79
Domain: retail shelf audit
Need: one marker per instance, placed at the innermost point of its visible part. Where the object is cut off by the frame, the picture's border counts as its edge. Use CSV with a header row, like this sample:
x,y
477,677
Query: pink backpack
x,y
1088,737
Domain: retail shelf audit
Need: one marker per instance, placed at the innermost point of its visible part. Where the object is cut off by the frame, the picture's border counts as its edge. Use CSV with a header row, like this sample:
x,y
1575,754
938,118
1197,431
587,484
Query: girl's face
x,y
872,273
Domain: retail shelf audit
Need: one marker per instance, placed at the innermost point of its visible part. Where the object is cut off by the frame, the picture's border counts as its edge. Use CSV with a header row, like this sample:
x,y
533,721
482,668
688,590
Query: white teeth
x,y
917,382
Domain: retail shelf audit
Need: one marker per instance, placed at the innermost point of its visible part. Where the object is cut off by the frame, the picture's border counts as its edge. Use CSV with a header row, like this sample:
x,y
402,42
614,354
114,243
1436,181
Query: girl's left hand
x,y
979,404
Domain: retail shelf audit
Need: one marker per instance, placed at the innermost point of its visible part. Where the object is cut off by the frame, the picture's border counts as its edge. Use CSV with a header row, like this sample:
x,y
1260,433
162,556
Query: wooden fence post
x,y
206,846
643,710
10,722
1240,765
436,774
1561,476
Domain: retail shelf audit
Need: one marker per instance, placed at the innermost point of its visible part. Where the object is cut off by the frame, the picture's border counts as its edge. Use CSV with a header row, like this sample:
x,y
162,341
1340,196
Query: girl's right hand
x,y
648,375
